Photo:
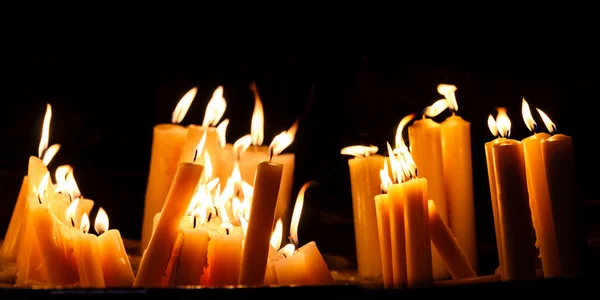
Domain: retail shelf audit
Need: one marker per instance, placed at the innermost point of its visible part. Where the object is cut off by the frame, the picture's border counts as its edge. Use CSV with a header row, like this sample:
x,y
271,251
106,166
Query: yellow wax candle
x,y
416,222
167,142
518,240
557,155
292,270
115,262
317,271
449,250
225,258
382,207
89,261
365,185
262,212
397,199
426,149
155,222
192,259
492,181
458,175
12,239
539,199
31,269
156,257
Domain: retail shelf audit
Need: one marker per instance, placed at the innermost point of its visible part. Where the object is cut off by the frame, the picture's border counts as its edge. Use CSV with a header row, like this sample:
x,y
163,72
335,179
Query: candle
x,y
493,191
539,200
364,182
397,199
518,245
382,209
89,261
426,147
225,258
291,270
442,238
167,142
274,255
267,181
557,155
458,175
156,258
115,262
192,258
253,152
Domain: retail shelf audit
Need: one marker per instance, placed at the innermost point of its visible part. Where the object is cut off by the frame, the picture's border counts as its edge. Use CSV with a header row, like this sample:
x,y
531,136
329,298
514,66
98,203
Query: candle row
x,y
533,199
48,233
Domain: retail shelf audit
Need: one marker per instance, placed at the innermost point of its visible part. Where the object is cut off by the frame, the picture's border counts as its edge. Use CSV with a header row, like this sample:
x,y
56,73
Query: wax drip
x,y
209,217
194,224
195,155
227,231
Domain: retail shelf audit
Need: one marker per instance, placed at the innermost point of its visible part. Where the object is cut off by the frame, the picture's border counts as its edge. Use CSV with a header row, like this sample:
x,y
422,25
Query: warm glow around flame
x,y
399,139
359,150
183,105
215,108
277,235
283,140
288,250
50,153
527,117
436,108
241,145
200,146
492,125
447,90
222,132
61,178
45,131
101,222
72,212
549,124
384,174
72,187
503,122
257,125
84,226
207,175
298,211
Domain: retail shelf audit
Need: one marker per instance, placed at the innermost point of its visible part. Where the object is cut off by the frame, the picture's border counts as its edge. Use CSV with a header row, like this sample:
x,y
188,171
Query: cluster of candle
x,y
48,235
209,226
393,230
532,193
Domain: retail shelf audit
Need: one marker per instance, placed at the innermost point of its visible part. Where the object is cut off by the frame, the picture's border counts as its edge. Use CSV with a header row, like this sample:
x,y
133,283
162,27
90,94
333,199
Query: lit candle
x,y
274,255
518,242
115,262
426,148
89,261
458,175
192,257
254,152
156,258
539,200
364,182
167,142
442,238
382,209
493,189
264,199
557,155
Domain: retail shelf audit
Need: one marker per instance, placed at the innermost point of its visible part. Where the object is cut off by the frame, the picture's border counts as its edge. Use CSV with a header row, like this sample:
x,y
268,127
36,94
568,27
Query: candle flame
x,y
384,175
436,108
222,132
447,90
257,125
527,117
288,250
200,216
283,140
549,124
207,175
241,145
215,108
84,226
72,187
61,178
72,212
492,125
277,235
200,147
42,186
399,139
50,153
359,150
503,122
101,222
395,165
298,211
183,106
45,131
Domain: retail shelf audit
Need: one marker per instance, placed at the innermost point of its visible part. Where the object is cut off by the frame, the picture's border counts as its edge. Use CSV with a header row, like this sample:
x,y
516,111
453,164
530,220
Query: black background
x,y
104,109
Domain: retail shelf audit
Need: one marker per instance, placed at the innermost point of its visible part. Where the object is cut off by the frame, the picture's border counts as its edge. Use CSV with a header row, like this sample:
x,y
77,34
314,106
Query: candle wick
x,y
227,231
209,217
535,128
194,222
416,173
216,211
72,222
195,155
39,197
270,154
70,197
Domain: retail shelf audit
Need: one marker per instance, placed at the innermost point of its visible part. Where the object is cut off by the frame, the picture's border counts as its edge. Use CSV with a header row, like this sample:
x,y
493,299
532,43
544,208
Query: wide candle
x,y
458,175
518,242
115,262
426,148
365,185
192,255
167,142
557,155
539,199
156,258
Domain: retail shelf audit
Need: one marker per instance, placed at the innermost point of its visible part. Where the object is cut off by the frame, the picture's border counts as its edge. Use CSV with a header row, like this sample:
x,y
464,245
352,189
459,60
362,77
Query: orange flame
x,y
183,106
222,132
283,140
215,108
447,90
298,211
549,124
492,125
101,222
277,235
436,108
257,125
527,117
399,139
503,122
359,150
